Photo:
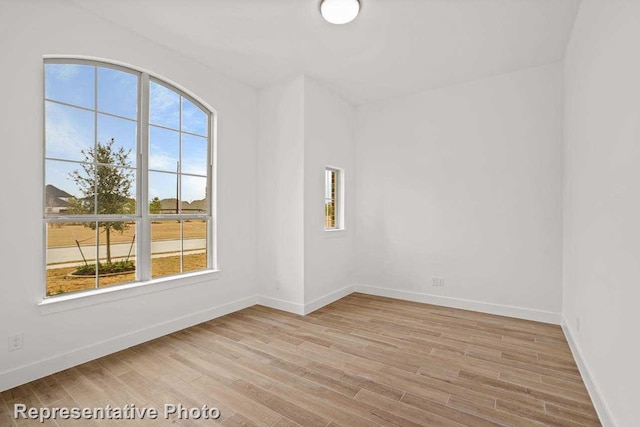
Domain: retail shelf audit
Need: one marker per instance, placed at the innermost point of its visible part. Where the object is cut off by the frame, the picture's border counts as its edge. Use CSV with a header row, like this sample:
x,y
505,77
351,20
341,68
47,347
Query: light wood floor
x,y
361,361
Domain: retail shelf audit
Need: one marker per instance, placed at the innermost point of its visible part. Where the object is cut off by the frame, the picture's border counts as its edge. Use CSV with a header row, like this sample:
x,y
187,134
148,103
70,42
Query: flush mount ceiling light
x,y
339,11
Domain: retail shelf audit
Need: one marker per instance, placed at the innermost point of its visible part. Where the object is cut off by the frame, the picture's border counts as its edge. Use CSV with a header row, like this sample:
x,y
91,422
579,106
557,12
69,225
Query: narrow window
x,y
333,199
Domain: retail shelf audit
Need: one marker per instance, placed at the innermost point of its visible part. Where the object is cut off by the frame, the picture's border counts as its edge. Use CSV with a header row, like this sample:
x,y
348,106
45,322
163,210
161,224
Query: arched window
x,y
128,177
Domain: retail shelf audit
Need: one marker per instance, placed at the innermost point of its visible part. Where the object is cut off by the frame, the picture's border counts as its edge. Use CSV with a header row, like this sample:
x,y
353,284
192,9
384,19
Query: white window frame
x,y
142,217
339,198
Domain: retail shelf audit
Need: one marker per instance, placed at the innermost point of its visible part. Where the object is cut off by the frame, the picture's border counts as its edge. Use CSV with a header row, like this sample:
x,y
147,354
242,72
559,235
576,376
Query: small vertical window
x,y
333,199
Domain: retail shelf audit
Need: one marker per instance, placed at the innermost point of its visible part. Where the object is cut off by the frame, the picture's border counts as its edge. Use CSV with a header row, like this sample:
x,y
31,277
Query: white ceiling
x,y
394,47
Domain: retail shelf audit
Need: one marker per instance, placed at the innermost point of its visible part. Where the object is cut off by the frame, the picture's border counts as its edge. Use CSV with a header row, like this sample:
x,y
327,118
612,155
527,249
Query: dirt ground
x,y
61,235
59,282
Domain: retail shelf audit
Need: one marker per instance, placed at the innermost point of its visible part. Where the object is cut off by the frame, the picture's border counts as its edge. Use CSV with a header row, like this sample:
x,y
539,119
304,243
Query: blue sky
x,y
164,110
164,186
70,130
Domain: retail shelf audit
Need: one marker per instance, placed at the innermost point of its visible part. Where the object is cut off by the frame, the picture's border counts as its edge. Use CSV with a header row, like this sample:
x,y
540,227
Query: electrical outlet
x,y
15,341
435,281
441,281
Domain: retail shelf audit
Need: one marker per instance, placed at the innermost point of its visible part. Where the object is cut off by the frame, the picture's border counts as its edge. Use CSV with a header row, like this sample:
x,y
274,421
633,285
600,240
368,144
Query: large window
x,y
128,178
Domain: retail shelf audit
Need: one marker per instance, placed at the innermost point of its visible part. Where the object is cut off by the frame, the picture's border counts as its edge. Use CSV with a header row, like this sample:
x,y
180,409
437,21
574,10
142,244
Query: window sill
x,y
99,296
334,232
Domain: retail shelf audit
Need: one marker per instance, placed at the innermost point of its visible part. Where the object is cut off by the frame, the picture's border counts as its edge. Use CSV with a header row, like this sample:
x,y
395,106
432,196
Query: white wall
x,y
281,193
29,29
465,183
303,128
602,201
329,141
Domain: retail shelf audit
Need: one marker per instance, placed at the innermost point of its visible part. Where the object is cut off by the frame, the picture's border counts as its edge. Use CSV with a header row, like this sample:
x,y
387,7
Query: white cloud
x,y
162,161
193,118
65,138
63,72
164,105
193,188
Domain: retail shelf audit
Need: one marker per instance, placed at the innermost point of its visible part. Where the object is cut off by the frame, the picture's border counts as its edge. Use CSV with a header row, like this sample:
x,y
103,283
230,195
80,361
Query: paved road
x,y
71,255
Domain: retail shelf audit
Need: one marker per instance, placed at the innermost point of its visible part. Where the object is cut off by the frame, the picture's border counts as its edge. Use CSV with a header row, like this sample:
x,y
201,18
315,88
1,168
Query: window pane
x,y
118,138
194,243
164,106
164,186
194,194
69,131
117,92
330,198
164,149
194,154
166,248
194,120
69,188
71,254
70,83
327,184
116,191
116,253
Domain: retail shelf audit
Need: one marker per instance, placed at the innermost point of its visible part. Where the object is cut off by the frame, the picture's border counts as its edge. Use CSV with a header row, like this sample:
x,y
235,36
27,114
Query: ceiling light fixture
x,y
339,11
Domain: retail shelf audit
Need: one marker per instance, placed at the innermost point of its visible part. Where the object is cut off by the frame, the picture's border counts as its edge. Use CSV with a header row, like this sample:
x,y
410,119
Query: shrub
x,y
106,268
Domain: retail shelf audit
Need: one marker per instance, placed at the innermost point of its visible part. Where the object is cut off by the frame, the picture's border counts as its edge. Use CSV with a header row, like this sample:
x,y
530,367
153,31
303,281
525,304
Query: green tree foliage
x,y
329,214
109,186
155,206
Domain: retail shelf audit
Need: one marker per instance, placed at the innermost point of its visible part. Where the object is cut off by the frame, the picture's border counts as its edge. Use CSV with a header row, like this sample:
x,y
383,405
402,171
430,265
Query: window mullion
x,y
88,218
95,173
211,195
143,258
179,189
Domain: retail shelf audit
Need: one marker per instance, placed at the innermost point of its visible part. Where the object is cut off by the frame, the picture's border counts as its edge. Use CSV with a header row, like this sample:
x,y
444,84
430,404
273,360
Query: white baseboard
x,y
327,299
42,368
279,304
304,309
483,307
604,413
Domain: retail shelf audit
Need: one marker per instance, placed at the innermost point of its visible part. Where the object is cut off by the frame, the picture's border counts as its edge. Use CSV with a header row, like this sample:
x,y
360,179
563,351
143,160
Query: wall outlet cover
x,y
15,341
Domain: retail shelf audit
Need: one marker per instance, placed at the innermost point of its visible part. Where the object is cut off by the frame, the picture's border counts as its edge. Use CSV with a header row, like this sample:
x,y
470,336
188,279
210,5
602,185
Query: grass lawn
x,y
59,282
61,235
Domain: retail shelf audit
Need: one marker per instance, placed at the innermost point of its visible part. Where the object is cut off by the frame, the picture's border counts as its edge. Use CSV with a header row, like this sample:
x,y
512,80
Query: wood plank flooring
x,y
361,361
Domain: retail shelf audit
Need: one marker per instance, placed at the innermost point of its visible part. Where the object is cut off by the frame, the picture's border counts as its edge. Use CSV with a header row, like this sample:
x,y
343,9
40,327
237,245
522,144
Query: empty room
x,y
320,213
